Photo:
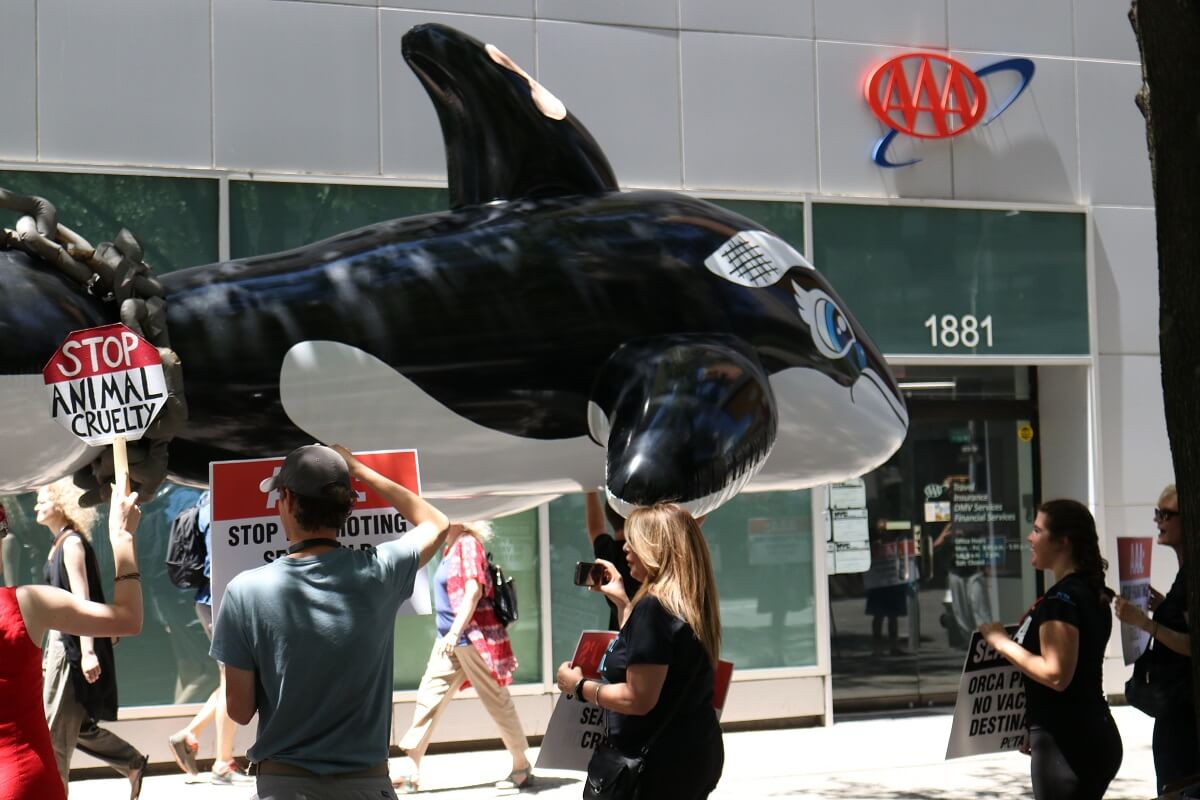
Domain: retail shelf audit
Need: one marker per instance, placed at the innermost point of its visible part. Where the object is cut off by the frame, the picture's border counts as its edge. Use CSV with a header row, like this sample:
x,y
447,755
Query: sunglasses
x,y
1164,514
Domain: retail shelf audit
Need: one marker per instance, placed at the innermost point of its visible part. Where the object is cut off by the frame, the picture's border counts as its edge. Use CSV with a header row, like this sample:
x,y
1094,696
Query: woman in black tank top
x,y
79,681
1059,648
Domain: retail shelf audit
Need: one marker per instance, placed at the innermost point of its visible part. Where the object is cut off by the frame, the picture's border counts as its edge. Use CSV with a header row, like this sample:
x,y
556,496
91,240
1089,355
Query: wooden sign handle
x,y
121,463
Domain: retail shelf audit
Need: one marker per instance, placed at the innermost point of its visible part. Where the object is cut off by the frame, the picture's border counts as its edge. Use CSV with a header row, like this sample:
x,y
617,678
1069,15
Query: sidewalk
x,y
860,757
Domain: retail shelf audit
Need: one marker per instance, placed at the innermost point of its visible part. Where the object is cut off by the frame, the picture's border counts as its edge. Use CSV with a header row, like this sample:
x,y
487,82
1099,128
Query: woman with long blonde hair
x,y
658,672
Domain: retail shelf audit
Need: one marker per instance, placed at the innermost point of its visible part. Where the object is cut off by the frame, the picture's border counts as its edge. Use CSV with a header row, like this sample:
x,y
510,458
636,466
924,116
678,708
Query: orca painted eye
x,y
832,327
831,330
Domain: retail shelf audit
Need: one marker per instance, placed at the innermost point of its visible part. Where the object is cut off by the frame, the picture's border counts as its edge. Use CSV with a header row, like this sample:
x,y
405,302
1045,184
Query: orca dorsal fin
x,y
506,136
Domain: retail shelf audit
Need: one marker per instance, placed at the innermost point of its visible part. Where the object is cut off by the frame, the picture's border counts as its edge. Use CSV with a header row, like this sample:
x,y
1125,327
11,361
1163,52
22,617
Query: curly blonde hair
x,y
65,495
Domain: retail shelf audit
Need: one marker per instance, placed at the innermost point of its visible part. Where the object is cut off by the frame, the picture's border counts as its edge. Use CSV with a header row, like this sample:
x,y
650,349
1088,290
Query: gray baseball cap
x,y
308,470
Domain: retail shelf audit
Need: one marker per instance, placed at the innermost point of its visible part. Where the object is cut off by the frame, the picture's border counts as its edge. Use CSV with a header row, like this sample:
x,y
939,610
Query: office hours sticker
x,y
247,532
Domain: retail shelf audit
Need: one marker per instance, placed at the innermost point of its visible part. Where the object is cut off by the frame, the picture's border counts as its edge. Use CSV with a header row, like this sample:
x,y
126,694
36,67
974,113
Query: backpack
x,y
503,593
186,550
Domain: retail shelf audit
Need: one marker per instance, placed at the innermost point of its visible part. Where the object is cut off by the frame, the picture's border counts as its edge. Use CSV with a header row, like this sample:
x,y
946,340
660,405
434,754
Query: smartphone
x,y
589,573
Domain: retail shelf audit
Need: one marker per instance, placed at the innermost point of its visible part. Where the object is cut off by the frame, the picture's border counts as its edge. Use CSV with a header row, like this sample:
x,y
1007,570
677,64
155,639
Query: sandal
x,y
517,779
407,784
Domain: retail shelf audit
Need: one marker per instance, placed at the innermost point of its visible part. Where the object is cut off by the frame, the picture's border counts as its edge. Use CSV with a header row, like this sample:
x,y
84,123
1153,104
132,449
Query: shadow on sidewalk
x,y
989,782
540,784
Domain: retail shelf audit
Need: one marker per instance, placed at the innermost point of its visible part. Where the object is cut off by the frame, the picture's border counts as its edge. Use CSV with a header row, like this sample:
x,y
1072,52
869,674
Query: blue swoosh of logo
x,y
1022,66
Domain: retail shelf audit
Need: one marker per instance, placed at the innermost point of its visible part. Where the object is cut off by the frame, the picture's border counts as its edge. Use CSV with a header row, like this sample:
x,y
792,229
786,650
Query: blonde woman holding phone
x,y
658,672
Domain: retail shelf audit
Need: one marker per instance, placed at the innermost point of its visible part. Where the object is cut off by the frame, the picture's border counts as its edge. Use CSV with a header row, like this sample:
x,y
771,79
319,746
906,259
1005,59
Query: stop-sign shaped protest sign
x,y
105,383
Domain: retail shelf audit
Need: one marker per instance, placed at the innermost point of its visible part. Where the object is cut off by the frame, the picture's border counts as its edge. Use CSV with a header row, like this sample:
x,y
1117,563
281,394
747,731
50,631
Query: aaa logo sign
x,y
931,96
105,383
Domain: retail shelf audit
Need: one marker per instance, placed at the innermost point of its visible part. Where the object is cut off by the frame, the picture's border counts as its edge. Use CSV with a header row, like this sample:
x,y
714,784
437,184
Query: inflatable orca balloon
x,y
547,333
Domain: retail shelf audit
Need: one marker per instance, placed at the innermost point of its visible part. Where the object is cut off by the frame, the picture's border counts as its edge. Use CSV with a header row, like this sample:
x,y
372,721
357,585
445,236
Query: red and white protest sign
x,y
1133,566
576,729
246,531
105,383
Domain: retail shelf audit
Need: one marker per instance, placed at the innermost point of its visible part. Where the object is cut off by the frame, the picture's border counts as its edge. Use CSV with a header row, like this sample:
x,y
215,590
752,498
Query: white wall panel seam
x,y
679,84
212,83
379,86
1074,39
816,76
1079,190
37,76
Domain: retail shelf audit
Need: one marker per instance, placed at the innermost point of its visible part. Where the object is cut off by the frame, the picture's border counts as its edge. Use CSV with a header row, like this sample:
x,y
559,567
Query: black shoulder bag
x,y
1160,684
612,775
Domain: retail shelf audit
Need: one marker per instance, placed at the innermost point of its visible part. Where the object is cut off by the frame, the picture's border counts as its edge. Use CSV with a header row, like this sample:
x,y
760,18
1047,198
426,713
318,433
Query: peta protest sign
x,y
989,714
576,729
1133,565
246,531
105,383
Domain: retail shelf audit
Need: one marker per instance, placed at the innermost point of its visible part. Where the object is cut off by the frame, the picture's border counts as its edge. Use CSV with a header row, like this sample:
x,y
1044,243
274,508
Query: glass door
x,y
942,529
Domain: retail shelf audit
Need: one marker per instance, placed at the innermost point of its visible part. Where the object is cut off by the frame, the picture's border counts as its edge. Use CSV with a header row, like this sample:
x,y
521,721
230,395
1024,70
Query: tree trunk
x,y
1168,35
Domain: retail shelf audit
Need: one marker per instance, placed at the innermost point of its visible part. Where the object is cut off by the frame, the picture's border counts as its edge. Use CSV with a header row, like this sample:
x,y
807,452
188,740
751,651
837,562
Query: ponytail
x,y
1071,520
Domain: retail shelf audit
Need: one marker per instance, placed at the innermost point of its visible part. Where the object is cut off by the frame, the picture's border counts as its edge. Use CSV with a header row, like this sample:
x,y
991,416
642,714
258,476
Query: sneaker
x,y
184,752
230,774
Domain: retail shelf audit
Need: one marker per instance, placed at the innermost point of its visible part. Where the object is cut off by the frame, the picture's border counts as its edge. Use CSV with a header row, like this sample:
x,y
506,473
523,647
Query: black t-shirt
x,y
608,548
653,636
1071,601
1172,613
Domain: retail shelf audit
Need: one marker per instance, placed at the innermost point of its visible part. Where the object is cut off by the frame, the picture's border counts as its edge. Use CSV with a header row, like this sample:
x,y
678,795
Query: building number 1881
x,y
948,330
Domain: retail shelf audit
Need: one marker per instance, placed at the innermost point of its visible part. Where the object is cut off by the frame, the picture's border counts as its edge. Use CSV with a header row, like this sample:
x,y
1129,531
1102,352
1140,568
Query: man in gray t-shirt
x,y
307,639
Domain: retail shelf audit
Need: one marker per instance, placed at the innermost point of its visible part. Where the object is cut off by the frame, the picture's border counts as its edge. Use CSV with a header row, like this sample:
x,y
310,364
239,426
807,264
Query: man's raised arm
x,y
431,524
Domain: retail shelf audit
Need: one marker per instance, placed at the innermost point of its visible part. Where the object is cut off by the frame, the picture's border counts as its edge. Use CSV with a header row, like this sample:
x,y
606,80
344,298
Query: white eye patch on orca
x,y
831,331
755,259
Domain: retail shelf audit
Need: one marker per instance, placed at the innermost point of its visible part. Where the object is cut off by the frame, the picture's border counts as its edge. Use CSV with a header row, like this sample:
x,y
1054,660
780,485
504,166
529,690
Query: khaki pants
x,y
69,723
443,677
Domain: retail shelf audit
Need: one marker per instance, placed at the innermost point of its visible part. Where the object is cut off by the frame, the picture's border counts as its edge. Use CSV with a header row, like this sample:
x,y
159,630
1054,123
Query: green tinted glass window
x,y
515,549
174,218
267,217
761,546
942,281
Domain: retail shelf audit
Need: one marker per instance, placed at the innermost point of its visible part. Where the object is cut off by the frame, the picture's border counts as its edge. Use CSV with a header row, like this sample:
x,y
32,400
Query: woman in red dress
x,y
27,766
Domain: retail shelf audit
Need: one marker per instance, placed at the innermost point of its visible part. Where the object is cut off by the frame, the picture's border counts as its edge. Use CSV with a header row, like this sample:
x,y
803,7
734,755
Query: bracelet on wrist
x,y
128,576
596,696
578,690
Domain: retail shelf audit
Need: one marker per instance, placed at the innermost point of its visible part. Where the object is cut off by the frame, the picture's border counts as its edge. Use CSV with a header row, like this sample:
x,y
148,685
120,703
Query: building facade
x,y
1009,275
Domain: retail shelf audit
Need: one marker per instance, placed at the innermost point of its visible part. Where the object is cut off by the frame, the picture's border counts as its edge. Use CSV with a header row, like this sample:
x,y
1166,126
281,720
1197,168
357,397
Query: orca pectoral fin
x,y
690,420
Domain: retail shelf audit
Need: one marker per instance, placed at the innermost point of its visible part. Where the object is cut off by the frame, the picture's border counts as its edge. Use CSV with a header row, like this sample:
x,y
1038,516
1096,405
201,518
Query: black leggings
x,y
1176,752
1075,764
